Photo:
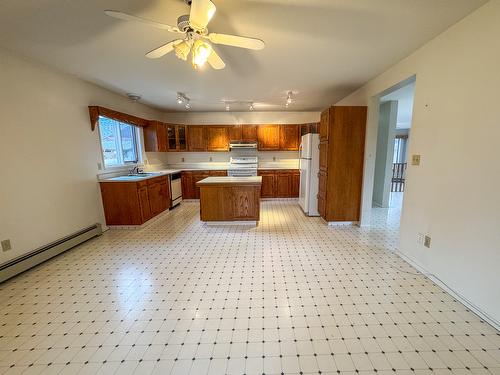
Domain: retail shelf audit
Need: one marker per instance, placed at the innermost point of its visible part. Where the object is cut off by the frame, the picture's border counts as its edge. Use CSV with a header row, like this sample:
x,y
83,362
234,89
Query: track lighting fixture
x,y
288,98
227,107
183,99
251,107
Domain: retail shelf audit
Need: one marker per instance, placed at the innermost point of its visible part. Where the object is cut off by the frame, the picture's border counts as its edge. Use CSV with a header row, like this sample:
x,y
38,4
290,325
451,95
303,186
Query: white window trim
x,y
123,167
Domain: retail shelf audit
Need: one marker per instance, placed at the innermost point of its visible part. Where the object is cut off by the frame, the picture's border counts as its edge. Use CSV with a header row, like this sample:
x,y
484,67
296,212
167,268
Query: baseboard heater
x,y
25,262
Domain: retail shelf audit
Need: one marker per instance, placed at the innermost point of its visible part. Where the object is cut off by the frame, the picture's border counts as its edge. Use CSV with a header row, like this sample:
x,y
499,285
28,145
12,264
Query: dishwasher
x,y
176,188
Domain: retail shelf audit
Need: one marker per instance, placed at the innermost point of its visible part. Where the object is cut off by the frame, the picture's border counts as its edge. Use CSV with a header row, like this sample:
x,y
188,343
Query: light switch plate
x,y
427,241
415,160
6,246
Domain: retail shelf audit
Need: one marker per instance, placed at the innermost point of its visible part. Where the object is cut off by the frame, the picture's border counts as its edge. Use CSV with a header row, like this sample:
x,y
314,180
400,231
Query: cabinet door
x,y
322,206
144,204
323,155
324,126
155,137
322,183
198,176
161,130
171,137
187,185
294,191
181,137
165,193
249,133
244,202
268,184
235,133
155,198
217,138
305,129
196,138
268,137
283,184
289,137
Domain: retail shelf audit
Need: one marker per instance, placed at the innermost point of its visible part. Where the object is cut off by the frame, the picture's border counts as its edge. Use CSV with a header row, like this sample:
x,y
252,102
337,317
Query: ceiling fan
x,y
196,40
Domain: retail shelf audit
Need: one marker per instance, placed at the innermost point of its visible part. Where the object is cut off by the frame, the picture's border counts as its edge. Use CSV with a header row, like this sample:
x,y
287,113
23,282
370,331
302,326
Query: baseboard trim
x,y
464,301
27,261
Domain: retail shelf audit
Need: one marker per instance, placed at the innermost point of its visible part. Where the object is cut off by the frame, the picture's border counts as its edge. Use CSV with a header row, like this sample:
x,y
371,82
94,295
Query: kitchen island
x,y
230,198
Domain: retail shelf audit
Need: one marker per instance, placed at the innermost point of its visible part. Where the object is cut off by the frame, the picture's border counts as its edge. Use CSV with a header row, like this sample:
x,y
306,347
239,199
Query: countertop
x,y
256,180
136,178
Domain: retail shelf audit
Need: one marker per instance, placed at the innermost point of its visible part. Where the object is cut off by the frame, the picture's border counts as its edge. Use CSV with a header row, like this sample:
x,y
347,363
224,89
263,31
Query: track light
x,y
227,107
288,98
251,107
183,99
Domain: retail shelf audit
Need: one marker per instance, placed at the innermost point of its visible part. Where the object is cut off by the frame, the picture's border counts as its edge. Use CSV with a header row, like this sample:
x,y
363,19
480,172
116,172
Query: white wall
x,y
454,194
231,118
49,155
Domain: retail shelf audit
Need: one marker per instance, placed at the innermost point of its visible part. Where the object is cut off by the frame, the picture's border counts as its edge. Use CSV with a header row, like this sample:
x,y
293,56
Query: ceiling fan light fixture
x,y
200,53
182,50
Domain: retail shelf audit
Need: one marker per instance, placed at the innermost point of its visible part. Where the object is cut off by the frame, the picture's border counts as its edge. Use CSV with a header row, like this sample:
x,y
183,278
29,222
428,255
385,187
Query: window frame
x,y
117,132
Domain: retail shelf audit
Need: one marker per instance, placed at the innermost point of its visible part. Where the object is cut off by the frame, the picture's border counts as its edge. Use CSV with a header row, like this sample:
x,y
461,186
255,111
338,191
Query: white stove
x,y
243,166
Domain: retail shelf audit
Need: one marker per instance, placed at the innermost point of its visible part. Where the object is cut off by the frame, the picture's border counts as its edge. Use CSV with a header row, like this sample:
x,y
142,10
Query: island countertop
x,y
226,181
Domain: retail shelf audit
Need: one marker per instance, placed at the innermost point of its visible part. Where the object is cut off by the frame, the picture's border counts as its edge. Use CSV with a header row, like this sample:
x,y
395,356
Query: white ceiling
x,y
320,49
404,96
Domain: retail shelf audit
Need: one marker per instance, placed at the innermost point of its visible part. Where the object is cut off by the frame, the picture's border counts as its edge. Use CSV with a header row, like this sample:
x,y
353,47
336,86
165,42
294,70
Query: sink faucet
x,y
135,170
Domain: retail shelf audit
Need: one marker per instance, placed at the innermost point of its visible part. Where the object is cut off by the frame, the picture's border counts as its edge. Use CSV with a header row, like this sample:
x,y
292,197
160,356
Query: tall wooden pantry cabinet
x,y
342,145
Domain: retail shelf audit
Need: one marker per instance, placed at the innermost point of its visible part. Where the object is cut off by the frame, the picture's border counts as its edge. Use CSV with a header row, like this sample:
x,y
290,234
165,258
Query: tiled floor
x,y
290,296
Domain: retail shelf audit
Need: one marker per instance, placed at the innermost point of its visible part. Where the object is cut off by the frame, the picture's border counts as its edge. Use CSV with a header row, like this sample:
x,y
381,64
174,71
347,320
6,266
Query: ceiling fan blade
x,y
201,13
236,41
129,17
215,61
163,50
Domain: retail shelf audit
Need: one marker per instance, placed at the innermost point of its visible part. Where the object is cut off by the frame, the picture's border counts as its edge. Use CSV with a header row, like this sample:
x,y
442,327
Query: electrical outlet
x,y
211,159
415,160
427,241
420,238
6,246
182,159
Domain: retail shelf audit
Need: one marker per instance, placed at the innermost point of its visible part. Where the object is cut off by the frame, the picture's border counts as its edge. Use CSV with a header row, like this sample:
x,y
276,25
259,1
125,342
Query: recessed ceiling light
x,y
134,97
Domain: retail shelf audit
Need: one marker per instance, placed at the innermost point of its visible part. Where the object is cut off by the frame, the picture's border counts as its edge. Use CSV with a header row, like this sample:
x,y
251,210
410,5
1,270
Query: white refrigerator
x,y
309,169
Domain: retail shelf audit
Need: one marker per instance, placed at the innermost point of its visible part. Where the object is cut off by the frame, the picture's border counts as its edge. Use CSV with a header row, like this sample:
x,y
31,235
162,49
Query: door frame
x,y
372,124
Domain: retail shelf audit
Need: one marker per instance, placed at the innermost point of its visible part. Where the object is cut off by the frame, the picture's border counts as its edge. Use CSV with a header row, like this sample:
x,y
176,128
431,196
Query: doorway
x,y
384,194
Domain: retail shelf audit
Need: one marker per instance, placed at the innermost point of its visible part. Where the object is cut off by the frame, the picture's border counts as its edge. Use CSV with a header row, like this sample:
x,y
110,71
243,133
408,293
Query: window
x,y
118,142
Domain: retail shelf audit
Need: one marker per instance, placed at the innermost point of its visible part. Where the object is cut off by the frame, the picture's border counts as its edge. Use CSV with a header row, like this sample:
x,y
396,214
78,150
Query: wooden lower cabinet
x,y
280,183
230,203
134,203
190,178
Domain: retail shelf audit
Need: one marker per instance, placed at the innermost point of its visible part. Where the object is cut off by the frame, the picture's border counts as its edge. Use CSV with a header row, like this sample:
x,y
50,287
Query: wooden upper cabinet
x,y
197,140
289,137
324,125
155,137
217,138
235,133
268,137
249,133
